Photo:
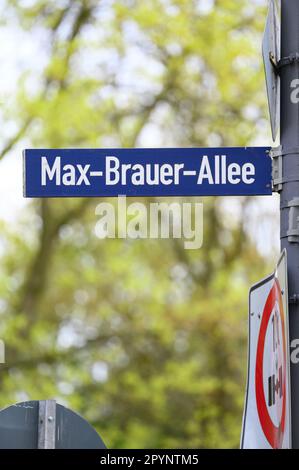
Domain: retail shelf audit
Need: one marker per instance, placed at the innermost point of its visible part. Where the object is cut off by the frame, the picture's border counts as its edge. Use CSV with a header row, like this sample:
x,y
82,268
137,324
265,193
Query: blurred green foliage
x,y
146,340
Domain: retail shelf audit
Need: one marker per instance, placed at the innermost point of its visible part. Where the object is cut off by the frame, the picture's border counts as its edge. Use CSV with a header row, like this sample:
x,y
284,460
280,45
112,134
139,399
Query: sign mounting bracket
x,y
47,424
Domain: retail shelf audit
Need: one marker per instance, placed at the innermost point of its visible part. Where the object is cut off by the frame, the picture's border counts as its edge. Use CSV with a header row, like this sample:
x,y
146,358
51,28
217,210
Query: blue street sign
x,y
147,172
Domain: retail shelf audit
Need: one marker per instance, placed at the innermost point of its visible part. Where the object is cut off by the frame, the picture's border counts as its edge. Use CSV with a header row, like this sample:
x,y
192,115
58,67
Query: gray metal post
x,y
289,73
46,424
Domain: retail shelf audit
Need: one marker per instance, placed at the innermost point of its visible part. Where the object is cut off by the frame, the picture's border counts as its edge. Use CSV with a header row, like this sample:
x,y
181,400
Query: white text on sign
x,y
218,172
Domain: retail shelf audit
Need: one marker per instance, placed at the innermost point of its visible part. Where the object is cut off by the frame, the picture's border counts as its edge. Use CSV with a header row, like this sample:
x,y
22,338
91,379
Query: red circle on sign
x,y
273,433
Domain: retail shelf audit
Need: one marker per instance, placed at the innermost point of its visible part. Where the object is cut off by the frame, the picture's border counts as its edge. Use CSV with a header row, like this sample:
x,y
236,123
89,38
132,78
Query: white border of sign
x,y
253,436
272,45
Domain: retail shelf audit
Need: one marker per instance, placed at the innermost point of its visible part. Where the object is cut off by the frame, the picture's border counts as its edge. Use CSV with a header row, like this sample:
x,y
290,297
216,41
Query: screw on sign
x,y
267,414
272,411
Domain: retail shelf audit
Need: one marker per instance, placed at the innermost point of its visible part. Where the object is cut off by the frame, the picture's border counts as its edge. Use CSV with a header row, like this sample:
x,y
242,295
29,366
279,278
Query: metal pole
x,y
289,200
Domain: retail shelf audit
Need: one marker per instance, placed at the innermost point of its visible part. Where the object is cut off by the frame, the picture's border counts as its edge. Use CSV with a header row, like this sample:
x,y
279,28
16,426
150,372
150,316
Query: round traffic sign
x,y
271,369
27,426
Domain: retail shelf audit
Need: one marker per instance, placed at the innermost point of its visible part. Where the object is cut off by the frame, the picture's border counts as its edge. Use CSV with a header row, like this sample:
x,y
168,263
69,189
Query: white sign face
x,y
267,416
271,49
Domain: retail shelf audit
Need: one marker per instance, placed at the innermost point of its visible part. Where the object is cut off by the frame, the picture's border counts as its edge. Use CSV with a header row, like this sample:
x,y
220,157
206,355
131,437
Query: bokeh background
x,y
146,340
